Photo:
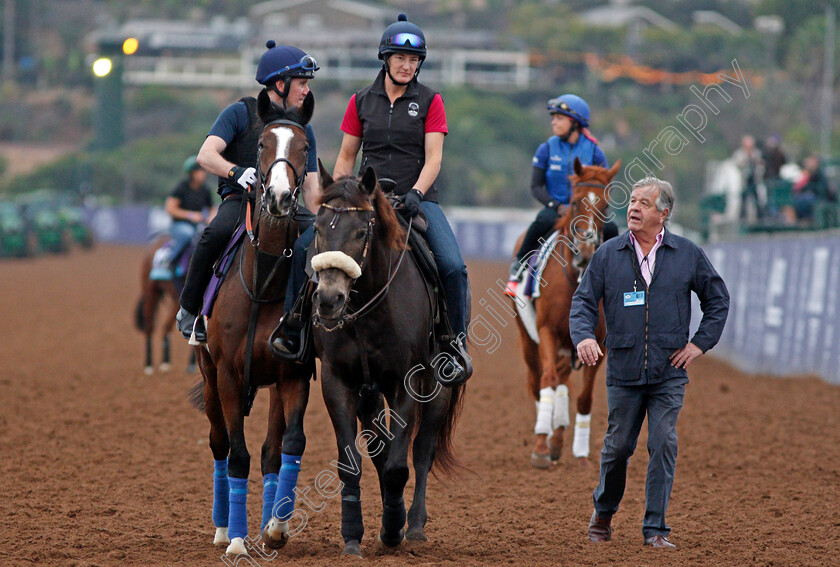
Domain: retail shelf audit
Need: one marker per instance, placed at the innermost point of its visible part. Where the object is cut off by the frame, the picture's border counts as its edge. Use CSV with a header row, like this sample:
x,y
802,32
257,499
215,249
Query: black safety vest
x,y
393,136
242,150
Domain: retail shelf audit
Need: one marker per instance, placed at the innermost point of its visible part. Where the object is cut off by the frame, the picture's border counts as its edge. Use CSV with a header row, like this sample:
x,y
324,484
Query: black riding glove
x,y
411,204
244,176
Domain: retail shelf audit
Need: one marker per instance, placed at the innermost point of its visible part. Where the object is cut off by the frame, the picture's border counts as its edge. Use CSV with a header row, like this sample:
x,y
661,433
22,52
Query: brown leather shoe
x,y
599,528
659,541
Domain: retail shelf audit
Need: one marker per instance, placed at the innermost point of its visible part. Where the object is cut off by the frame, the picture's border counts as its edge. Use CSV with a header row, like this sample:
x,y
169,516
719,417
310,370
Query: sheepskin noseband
x,y
336,259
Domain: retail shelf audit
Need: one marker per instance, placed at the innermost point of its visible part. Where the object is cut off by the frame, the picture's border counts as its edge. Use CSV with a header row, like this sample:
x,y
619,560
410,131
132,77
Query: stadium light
x,y
130,45
102,66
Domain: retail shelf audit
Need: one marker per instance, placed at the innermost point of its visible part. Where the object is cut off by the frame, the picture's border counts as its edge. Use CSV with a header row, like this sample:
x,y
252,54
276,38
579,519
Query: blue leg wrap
x,y
269,492
284,501
220,494
238,511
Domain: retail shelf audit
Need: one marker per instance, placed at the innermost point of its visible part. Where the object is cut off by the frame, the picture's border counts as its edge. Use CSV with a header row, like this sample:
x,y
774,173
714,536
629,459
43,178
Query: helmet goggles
x,y
559,106
305,68
406,39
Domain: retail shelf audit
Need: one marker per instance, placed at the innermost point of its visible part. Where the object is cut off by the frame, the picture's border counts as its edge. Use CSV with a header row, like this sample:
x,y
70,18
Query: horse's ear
x,y
307,108
614,169
369,180
578,167
326,178
264,106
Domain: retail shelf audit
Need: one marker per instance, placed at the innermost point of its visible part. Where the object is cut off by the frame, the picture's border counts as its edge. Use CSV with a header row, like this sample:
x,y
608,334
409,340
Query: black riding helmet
x,y
284,62
402,37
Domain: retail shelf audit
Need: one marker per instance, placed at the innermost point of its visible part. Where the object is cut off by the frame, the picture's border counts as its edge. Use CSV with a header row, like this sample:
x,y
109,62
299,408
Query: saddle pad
x,y
221,269
533,275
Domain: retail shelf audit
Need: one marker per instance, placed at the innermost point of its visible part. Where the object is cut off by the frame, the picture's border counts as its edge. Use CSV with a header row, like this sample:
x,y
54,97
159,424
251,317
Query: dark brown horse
x,y
374,320
549,360
154,295
253,293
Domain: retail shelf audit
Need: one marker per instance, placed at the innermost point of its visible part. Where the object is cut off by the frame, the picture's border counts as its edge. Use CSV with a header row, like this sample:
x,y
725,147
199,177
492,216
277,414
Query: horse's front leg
x,y
341,402
239,461
271,452
395,473
549,379
294,391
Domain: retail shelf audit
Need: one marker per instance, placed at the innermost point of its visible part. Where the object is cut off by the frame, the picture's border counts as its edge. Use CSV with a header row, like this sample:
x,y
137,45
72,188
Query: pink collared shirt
x,y
647,263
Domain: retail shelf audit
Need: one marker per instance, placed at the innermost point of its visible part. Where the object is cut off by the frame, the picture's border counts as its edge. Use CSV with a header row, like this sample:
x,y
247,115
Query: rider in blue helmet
x,y
230,152
399,125
552,166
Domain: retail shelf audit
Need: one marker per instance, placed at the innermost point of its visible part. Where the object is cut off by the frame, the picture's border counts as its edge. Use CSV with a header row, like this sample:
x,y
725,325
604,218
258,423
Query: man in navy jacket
x,y
645,278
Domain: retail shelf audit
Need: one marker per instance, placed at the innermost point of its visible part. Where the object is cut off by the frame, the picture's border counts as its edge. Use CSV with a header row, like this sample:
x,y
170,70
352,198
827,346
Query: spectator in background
x,y
750,163
774,157
811,187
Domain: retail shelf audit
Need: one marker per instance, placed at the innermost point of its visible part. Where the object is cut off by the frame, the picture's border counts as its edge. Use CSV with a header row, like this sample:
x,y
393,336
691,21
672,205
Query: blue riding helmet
x,y
572,106
284,62
403,37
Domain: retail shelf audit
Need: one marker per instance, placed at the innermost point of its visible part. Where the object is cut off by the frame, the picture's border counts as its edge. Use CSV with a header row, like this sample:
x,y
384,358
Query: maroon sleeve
x,y
436,118
351,123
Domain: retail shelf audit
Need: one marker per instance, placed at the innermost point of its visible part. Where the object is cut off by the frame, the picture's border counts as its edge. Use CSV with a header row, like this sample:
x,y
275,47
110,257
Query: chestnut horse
x,y
549,361
249,304
155,294
373,327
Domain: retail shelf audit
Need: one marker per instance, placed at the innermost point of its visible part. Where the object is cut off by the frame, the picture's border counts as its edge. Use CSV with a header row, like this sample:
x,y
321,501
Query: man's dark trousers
x,y
627,408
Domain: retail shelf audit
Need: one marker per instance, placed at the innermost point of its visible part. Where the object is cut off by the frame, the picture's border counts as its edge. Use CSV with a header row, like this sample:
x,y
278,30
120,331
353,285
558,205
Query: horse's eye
x,y
261,145
361,233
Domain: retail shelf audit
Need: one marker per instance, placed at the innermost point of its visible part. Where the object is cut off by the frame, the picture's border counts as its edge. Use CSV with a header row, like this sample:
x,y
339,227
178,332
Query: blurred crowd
x,y
774,190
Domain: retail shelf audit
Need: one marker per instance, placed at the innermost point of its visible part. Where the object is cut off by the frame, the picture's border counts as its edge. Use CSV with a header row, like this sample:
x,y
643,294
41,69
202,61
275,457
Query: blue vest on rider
x,y
561,156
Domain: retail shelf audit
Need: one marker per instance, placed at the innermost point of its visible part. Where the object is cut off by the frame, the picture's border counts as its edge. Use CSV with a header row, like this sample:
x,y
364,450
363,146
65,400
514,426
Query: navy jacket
x,y
641,338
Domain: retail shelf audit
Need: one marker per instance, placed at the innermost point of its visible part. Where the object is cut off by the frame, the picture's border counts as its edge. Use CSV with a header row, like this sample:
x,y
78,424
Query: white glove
x,y
243,176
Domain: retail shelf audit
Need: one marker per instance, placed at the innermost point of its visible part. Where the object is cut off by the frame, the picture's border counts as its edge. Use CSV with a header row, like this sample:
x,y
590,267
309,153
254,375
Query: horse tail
x,y
196,395
445,460
140,314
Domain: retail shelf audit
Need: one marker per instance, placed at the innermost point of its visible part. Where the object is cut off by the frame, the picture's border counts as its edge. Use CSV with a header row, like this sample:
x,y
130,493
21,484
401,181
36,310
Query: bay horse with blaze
x,y
373,317
549,359
237,359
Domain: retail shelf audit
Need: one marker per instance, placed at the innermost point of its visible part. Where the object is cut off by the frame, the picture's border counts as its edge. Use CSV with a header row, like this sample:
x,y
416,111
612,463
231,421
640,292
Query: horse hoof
x,y
149,370
390,541
352,548
540,461
165,367
584,462
554,453
221,537
416,534
275,534
236,547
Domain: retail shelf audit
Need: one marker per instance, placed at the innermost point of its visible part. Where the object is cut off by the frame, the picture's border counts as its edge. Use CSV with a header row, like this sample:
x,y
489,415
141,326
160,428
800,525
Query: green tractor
x,y
14,239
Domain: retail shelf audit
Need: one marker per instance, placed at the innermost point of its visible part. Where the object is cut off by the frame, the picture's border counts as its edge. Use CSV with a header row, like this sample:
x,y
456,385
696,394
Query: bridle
x,y
347,318
597,239
263,180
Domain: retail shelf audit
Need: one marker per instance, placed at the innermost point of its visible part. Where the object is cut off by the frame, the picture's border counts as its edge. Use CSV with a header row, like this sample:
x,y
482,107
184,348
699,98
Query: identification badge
x,y
633,298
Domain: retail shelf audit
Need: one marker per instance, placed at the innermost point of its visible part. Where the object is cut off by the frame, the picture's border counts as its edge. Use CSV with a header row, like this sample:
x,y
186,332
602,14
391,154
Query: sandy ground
x,y
103,465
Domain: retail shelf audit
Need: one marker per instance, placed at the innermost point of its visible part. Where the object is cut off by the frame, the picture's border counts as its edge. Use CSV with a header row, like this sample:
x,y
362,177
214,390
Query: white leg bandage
x,y
580,447
544,407
561,407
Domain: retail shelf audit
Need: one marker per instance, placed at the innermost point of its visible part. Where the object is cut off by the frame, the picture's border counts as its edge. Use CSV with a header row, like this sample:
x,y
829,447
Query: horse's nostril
x,y
339,298
316,296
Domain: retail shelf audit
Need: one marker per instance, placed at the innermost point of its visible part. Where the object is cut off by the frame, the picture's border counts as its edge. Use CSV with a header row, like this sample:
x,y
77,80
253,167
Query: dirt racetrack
x,y
103,465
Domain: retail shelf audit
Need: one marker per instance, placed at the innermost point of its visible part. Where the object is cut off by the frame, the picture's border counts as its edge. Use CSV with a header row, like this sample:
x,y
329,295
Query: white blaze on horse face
x,y
593,200
279,182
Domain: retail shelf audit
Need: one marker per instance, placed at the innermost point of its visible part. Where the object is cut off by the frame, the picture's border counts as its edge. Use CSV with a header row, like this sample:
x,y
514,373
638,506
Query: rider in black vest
x,y
230,152
400,124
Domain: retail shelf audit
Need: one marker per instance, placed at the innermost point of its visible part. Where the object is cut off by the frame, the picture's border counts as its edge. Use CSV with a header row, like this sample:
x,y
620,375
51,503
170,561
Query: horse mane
x,y
387,227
